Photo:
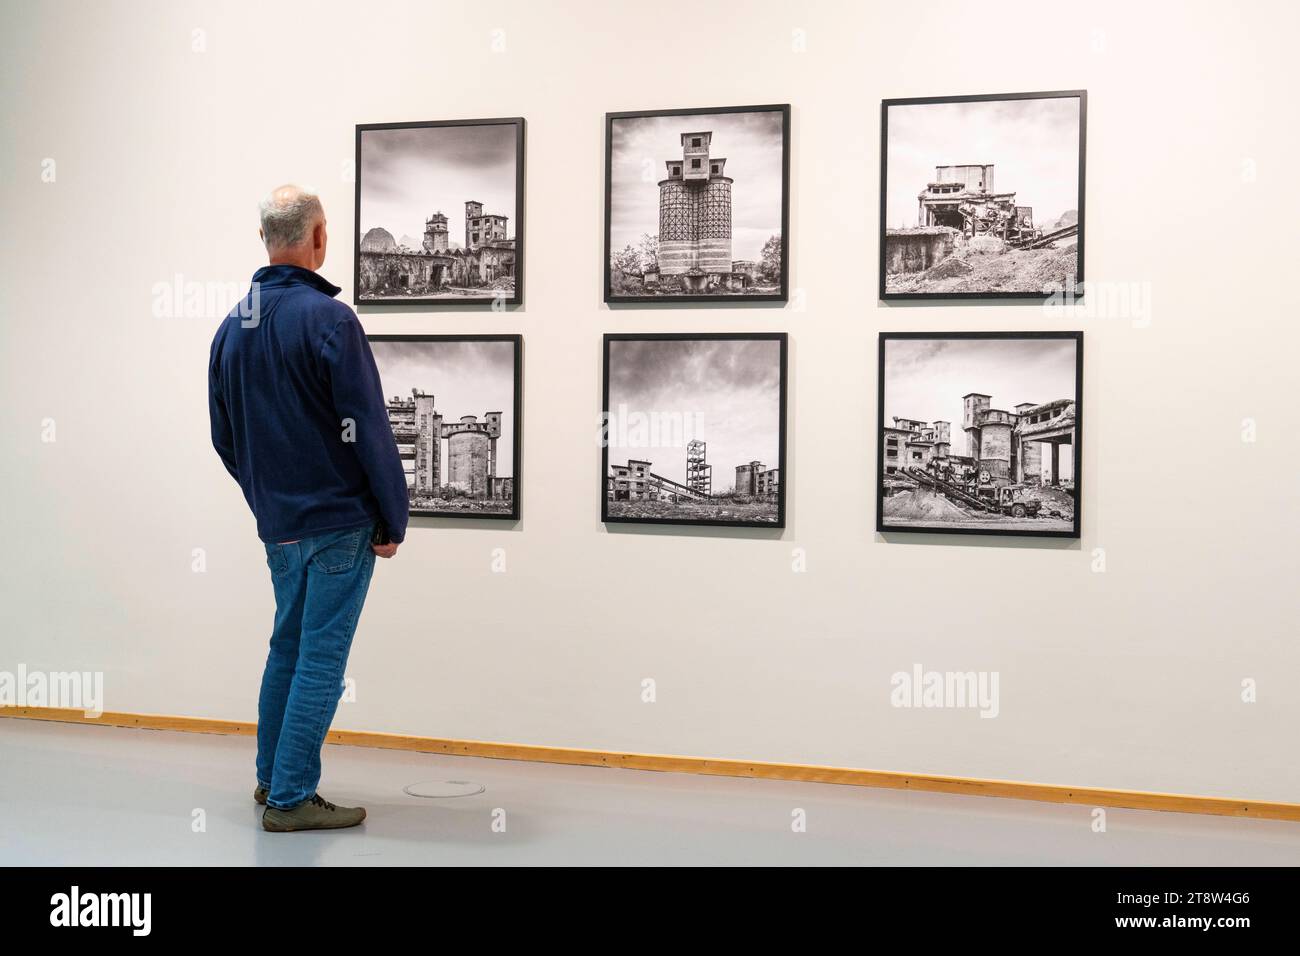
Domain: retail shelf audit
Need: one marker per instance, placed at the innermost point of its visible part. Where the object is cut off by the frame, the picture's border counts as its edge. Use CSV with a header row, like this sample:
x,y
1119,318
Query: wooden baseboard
x,y
892,780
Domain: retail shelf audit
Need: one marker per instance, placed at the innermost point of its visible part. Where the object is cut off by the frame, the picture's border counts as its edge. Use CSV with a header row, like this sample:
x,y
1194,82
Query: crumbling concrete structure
x,y
915,250
755,478
482,229
963,198
912,443
695,222
389,270
1006,446
699,473
420,429
959,201
636,482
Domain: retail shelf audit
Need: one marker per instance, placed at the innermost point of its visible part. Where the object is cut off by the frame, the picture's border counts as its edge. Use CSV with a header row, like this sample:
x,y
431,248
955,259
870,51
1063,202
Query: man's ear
x,y
318,234
261,235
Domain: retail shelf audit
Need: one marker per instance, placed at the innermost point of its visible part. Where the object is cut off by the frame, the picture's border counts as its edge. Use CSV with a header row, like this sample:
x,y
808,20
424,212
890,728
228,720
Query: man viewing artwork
x,y
299,420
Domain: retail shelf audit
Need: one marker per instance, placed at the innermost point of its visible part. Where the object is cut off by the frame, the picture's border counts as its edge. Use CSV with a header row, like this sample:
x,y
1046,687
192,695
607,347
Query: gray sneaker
x,y
259,795
316,813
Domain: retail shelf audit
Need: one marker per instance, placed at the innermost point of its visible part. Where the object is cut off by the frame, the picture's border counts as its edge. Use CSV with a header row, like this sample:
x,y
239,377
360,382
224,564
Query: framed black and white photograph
x,y
454,404
980,433
697,205
981,197
694,429
439,213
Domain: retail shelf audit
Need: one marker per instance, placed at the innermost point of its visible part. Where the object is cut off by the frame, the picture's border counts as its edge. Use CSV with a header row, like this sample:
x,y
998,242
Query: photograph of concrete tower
x,y
454,404
980,432
696,204
439,210
694,429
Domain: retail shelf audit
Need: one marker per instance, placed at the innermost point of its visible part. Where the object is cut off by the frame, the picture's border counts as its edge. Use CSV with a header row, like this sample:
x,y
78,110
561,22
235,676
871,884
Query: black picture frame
x,y
517,408
1076,444
885,105
471,303
783,294
783,339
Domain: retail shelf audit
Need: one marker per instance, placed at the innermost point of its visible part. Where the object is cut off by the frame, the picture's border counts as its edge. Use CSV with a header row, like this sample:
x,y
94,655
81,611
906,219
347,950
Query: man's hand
x,y
384,550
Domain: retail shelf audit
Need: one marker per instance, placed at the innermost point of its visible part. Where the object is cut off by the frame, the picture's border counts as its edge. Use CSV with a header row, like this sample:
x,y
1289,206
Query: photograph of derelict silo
x,y
451,407
697,204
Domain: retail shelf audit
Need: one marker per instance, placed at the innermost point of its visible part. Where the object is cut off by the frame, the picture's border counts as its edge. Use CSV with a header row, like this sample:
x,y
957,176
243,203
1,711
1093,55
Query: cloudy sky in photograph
x,y
1032,144
728,389
465,378
750,143
925,379
409,174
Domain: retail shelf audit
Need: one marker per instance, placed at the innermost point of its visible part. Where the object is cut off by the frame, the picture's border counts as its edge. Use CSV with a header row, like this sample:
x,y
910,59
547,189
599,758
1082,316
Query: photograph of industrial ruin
x,y
979,433
695,429
453,405
696,204
982,197
438,213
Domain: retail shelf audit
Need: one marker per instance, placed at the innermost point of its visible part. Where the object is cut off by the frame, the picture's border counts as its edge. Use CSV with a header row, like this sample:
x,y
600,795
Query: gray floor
x,y
99,795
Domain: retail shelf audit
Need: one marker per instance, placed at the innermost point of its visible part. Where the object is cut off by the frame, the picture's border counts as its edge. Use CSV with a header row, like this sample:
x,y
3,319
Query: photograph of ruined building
x,y
696,204
439,208
454,404
980,432
982,196
695,429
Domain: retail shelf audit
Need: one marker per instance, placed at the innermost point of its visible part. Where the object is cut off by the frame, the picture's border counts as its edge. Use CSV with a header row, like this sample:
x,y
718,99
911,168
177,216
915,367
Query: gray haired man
x,y
299,420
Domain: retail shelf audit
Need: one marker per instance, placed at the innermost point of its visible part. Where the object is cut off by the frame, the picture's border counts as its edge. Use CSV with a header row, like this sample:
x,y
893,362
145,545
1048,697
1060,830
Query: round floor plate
x,y
441,789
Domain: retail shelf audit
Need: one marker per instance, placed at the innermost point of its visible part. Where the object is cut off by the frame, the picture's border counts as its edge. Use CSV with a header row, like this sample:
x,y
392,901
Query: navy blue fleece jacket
x,y
298,413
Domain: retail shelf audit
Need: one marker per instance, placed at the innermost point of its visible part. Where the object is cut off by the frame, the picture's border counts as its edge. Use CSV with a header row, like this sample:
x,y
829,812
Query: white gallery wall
x,y
1121,657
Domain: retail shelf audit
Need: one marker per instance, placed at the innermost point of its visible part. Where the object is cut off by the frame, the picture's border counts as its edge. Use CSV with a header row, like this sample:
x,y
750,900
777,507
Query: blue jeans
x,y
320,584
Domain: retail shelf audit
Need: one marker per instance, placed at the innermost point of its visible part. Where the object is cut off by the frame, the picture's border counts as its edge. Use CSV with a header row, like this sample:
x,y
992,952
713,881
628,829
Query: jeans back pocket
x,y
338,554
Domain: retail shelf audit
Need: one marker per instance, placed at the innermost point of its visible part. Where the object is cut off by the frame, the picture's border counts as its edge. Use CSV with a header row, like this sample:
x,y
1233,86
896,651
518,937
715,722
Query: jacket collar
x,y
270,276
